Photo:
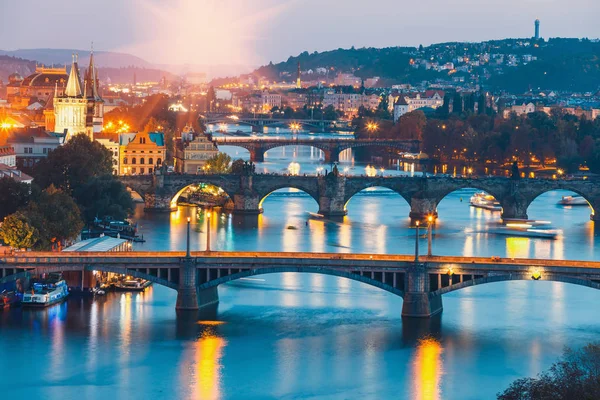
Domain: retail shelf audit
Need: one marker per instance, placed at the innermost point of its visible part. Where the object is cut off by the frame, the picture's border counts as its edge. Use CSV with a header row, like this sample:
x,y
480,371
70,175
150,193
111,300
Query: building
x,y
39,86
79,109
347,80
112,144
32,145
141,153
14,173
8,156
408,102
192,151
349,103
537,29
523,109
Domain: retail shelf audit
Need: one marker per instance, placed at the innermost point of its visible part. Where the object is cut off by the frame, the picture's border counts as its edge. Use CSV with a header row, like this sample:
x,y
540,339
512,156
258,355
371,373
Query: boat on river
x,y
575,200
485,201
525,228
46,292
133,285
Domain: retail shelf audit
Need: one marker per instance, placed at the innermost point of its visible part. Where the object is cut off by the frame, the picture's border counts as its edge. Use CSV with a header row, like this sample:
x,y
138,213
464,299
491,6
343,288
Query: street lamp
x,y
429,234
417,242
208,231
187,254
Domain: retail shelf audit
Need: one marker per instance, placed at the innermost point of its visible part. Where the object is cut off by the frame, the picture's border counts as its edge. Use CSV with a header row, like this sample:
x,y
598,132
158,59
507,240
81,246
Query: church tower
x,y
95,104
299,79
70,108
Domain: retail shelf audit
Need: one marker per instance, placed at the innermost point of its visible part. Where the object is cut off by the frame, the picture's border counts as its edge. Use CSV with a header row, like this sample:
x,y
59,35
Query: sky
x,y
254,32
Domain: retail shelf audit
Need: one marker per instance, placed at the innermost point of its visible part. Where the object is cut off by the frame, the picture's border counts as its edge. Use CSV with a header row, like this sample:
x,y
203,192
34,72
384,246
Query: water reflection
x,y
208,354
427,370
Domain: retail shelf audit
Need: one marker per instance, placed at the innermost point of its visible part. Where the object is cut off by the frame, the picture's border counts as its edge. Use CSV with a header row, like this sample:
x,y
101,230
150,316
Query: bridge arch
x,y
312,270
517,277
309,191
566,190
178,194
375,186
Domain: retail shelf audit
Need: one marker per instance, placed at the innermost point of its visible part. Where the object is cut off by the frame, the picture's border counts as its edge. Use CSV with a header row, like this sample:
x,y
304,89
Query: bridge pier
x,y
332,202
514,208
418,303
187,297
158,202
421,209
257,155
331,156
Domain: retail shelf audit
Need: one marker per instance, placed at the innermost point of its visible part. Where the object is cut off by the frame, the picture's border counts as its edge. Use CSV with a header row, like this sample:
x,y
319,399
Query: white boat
x,y
575,200
526,228
132,285
46,293
485,201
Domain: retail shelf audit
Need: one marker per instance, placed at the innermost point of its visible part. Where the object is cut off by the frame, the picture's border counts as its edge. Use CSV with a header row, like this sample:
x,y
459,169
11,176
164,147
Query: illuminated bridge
x,y
260,122
330,147
197,276
333,192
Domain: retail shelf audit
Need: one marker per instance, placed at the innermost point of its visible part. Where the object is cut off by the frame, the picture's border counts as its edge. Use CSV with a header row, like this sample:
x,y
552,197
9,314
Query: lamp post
x,y
417,242
208,231
187,253
429,234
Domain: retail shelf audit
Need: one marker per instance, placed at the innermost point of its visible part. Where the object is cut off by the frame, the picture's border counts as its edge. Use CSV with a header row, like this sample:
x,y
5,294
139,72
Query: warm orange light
x,y
189,219
427,370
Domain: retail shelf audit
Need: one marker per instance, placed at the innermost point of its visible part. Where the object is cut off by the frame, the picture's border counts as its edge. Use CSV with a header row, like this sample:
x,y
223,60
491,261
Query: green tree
x,y
104,197
13,195
330,113
219,164
73,164
17,232
56,217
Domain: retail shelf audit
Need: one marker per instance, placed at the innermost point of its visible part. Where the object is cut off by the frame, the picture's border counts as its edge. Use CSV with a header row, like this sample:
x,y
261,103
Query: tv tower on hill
x,y
537,29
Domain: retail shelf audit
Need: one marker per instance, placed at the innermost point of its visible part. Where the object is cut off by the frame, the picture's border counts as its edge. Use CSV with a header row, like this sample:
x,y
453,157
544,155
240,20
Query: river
x,y
303,336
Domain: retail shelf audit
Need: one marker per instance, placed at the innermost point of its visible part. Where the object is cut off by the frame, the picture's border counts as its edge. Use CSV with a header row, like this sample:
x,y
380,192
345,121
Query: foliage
x,y
241,167
13,195
219,164
17,232
575,376
70,166
103,197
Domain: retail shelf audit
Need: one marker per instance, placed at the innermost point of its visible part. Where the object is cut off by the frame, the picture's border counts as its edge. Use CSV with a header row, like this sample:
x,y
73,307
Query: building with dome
x,y
37,87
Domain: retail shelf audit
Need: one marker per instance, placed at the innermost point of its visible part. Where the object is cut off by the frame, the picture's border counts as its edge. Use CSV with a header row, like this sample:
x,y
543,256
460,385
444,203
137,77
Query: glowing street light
x,y
187,254
429,234
294,168
417,242
372,127
208,231
370,171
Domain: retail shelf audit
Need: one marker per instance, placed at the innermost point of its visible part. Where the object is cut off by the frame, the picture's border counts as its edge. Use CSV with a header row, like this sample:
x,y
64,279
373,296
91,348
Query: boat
x,y
575,200
485,201
526,228
10,299
132,285
46,292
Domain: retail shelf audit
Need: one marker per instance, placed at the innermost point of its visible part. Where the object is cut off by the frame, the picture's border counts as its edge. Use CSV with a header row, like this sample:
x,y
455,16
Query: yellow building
x,y
192,151
141,153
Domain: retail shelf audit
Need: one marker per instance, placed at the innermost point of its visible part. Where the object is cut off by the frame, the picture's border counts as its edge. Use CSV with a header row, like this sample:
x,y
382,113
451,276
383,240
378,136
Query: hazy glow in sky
x,y
252,32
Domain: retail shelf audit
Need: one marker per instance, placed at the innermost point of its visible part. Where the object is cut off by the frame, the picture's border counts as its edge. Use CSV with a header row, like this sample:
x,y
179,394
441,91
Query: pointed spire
x,y
91,79
74,83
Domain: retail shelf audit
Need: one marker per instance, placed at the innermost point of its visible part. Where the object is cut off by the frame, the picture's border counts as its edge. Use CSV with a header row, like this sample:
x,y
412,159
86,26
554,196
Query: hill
x,y
62,56
517,65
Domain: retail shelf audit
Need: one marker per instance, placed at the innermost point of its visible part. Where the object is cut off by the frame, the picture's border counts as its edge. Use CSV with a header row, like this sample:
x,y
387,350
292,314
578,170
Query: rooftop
x,y
104,243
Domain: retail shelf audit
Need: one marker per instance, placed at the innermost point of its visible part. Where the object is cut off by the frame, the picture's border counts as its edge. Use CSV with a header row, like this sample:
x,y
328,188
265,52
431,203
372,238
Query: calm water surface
x,y
302,336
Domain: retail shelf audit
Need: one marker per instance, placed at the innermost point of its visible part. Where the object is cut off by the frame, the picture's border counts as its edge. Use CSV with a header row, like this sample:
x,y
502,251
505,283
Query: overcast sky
x,y
252,32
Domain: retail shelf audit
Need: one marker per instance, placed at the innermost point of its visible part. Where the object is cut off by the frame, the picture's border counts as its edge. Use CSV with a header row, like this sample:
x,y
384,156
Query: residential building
x,y
141,152
347,80
112,144
8,156
407,102
192,151
523,109
32,145
349,103
14,173
39,86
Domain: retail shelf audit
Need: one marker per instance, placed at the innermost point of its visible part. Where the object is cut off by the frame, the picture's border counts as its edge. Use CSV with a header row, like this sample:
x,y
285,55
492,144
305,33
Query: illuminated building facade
x,y
39,86
141,152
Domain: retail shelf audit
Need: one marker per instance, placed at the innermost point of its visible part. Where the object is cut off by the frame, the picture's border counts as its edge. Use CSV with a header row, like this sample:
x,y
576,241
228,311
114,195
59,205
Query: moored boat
x,y
132,285
46,293
10,299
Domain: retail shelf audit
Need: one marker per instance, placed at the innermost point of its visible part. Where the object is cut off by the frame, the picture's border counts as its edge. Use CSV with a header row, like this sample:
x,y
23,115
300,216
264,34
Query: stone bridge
x,y
333,191
196,276
330,147
260,122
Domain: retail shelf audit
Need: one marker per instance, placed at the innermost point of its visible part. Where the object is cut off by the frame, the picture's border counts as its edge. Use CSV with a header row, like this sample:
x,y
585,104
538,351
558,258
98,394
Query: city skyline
x,y
237,33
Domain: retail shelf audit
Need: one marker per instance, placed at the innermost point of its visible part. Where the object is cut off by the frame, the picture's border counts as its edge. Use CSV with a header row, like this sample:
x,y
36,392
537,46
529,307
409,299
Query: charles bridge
x,y
420,282
333,191
331,147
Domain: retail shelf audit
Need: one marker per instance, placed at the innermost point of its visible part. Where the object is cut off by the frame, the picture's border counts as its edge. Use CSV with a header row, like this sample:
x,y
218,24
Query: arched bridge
x,y
196,277
260,122
333,191
330,147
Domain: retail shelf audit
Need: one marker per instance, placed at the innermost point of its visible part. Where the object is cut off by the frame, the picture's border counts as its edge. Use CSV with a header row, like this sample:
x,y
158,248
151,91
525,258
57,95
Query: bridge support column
x,y
246,201
158,201
332,195
514,207
421,208
257,155
187,297
418,303
331,156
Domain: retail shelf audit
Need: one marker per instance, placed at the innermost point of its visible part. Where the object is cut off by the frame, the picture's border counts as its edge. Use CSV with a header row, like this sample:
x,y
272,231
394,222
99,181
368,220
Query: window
x,y
134,160
149,170
142,170
133,170
125,160
151,161
159,161
142,161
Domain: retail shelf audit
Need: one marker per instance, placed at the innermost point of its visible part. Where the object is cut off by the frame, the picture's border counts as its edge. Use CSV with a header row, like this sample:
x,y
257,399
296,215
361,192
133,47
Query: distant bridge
x,y
330,147
261,121
196,277
333,192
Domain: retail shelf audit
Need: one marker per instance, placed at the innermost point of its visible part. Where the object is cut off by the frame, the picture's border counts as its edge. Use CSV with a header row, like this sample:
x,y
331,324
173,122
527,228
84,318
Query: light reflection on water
x,y
427,370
